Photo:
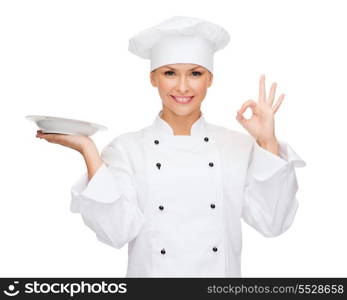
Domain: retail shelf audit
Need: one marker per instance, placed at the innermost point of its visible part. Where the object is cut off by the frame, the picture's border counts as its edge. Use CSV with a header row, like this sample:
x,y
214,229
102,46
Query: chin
x,y
182,111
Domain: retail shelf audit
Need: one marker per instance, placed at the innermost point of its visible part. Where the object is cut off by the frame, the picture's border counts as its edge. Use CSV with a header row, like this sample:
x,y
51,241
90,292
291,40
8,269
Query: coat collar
x,y
160,126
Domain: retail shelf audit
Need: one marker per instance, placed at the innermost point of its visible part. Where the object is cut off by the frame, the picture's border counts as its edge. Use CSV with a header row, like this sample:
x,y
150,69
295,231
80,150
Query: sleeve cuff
x,y
264,163
102,187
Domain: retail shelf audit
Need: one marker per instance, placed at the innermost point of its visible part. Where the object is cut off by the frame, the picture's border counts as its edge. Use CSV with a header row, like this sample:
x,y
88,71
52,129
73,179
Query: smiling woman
x,y
182,88
176,190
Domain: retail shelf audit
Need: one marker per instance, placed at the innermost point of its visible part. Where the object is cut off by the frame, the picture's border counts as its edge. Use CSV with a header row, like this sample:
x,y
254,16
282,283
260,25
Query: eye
x,y
169,73
196,73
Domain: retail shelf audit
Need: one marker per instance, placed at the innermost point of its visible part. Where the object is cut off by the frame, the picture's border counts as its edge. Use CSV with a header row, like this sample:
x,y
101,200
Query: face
x,y
182,87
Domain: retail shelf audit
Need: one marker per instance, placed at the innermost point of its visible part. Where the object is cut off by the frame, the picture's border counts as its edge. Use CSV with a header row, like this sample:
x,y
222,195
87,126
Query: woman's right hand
x,y
77,142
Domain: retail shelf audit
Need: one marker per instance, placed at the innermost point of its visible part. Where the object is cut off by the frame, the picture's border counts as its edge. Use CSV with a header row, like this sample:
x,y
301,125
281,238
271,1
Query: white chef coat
x,y
178,200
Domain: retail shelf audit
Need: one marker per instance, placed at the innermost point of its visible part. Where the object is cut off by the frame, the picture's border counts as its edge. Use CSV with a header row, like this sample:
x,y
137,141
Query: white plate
x,y
65,126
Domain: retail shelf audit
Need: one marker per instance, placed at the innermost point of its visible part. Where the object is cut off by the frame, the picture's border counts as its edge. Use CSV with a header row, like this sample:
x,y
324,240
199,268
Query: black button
x,y
215,249
162,251
156,142
158,165
161,207
206,139
211,164
212,205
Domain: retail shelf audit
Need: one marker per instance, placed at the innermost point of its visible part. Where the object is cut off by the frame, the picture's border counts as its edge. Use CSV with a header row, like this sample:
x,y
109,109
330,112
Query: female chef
x,y
176,190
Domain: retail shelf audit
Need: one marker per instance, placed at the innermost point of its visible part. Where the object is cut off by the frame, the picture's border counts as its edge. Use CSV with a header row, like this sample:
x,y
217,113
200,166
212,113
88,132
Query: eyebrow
x,y
189,70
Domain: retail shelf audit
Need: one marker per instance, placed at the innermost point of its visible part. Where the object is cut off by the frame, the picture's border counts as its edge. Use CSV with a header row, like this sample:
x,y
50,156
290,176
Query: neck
x,y
181,125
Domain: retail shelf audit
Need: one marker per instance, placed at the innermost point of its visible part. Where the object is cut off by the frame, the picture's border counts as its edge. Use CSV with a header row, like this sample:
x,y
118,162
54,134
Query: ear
x,y
152,76
210,79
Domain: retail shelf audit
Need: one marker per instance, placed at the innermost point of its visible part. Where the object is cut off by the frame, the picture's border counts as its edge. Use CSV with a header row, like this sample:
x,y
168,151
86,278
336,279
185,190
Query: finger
x,y
46,136
241,119
49,137
272,93
278,103
250,103
262,92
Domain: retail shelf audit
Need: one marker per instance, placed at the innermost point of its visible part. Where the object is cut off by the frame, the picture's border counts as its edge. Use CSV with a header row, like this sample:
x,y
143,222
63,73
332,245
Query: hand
x,y
76,142
262,124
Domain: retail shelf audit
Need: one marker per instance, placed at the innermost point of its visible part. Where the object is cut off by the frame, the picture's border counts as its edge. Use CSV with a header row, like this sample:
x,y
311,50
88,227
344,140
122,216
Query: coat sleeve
x,y
108,202
269,202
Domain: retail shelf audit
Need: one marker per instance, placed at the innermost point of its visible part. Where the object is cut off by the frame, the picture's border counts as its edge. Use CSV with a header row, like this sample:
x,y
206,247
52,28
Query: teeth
x,y
182,99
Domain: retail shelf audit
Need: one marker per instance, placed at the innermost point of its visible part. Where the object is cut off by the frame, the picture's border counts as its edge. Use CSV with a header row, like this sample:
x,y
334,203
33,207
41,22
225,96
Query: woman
x,y
177,190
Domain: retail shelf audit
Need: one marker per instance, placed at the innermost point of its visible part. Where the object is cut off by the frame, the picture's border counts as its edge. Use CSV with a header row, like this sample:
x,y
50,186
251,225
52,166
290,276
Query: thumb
x,y
241,119
250,103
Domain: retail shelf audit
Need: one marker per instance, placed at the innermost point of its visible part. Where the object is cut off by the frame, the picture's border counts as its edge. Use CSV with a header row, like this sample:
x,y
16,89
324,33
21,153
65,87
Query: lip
x,y
191,98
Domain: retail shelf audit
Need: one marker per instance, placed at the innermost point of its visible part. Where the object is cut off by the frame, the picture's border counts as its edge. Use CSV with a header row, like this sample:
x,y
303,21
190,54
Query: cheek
x,y
199,87
165,87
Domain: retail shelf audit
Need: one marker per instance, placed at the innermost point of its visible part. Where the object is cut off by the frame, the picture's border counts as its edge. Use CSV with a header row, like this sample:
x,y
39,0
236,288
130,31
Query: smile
x,y
182,100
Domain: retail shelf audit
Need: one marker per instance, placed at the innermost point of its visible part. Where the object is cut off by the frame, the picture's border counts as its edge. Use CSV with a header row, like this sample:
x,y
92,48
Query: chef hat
x,y
180,40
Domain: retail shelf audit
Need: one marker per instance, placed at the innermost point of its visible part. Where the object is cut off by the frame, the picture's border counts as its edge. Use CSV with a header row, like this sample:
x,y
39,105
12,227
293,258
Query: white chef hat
x,y
180,40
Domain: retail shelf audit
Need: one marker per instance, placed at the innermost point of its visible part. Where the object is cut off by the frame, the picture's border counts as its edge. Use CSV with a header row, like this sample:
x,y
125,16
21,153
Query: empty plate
x,y
65,126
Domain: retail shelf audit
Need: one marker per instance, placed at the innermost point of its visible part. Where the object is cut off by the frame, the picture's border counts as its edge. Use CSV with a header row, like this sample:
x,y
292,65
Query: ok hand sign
x,y
261,125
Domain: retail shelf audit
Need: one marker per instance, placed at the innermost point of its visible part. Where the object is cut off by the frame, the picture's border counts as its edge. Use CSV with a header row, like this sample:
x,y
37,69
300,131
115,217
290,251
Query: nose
x,y
183,86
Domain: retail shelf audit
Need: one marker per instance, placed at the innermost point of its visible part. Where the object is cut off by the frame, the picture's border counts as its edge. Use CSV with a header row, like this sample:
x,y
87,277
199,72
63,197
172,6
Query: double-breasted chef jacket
x,y
178,200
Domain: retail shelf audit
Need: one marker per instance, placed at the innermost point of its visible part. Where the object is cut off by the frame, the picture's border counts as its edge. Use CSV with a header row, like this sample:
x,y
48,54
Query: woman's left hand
x,y
262,123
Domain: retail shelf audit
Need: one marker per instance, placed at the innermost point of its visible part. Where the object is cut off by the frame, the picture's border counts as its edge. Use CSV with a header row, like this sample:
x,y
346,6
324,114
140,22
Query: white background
x,y
70,59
